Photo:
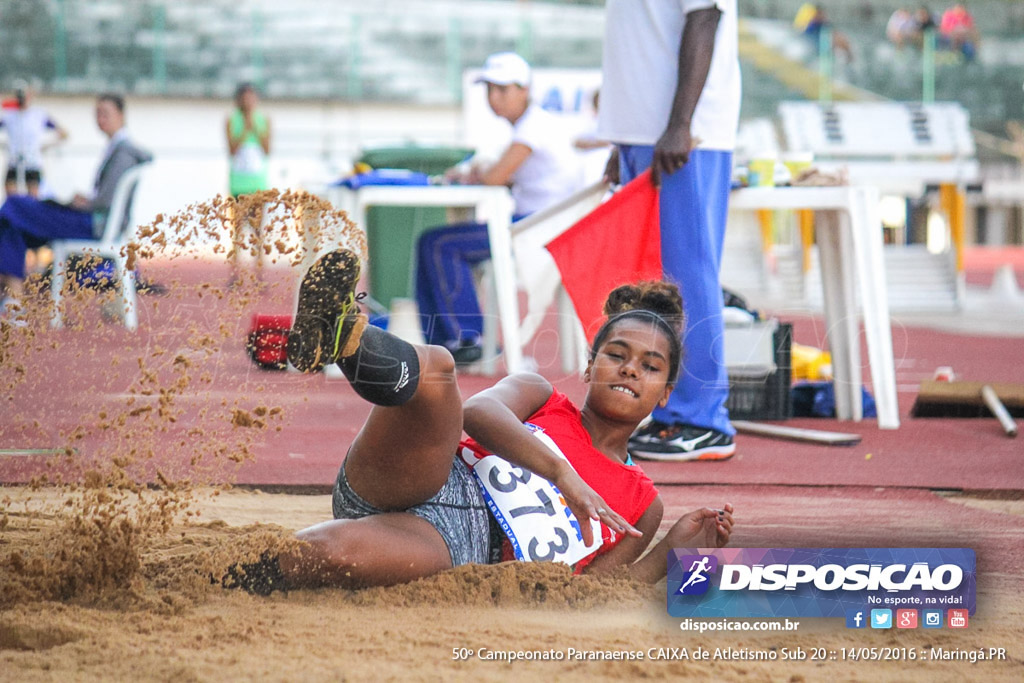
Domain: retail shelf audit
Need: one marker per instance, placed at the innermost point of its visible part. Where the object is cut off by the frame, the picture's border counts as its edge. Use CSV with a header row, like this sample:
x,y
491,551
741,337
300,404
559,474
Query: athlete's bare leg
x,y
381,550
403,454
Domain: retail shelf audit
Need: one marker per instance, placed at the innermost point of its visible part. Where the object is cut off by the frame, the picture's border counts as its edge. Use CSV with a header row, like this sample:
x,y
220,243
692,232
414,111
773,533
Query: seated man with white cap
x,y
541,167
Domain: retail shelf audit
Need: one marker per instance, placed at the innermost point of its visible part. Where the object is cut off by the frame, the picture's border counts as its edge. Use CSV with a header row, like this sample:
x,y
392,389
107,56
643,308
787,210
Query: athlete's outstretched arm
x,y
703,528
626,552
494,417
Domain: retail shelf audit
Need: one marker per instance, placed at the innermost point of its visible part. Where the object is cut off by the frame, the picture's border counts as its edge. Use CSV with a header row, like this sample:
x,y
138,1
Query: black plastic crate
x,y
765,398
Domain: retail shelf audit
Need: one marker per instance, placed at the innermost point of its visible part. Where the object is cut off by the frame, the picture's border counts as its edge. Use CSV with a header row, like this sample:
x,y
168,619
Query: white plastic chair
x,y
112,244
541,279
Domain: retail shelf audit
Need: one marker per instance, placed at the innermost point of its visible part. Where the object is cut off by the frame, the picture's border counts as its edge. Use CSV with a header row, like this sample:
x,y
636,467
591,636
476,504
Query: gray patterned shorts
x,y
457,511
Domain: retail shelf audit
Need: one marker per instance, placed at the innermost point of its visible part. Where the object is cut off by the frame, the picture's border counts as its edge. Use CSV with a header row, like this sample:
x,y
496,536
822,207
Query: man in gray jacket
x,y
27,223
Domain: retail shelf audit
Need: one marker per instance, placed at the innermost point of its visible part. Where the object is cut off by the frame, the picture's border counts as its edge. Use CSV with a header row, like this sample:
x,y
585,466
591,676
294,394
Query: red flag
x,y
617,243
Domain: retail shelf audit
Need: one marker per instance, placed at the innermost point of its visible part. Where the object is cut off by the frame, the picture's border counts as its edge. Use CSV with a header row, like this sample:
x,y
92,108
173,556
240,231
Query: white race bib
x,y
530,509
249,158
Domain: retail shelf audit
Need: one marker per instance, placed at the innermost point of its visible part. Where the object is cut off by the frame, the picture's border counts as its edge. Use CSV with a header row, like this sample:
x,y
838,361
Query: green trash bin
x,y
392,231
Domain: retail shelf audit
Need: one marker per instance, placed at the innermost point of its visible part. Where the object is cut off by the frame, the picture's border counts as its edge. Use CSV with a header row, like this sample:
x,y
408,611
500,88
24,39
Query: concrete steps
x,y
916,279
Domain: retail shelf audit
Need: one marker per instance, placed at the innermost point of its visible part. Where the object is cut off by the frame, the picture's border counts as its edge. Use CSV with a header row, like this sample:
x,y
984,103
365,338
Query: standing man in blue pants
x,y
670,102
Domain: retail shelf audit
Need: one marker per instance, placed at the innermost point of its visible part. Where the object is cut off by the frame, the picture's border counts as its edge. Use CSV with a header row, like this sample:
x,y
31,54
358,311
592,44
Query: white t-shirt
x,y
552,171
25,129
640,66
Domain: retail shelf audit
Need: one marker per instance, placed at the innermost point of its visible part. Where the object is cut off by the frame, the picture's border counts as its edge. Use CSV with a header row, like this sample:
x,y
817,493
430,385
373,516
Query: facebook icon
x,y
856,618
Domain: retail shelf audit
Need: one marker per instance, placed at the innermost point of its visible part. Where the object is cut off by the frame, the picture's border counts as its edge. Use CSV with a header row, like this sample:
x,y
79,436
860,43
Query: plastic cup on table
x,y
761,172
797,162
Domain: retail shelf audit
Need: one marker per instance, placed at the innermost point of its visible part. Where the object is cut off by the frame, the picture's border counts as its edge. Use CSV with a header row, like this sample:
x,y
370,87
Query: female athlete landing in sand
x,y
406,506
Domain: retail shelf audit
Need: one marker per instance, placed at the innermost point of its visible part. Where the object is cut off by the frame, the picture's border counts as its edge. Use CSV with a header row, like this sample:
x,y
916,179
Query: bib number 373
x,y
532,511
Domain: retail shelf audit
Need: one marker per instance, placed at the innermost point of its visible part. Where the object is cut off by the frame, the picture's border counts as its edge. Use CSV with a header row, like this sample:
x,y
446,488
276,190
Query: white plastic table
x,y
850,250
492,205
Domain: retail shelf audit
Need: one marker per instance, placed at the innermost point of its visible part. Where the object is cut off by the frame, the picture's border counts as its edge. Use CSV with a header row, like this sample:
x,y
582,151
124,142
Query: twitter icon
x,y
881,618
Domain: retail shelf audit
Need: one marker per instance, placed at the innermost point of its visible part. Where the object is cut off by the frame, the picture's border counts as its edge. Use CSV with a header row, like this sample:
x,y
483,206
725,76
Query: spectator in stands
x,y
248,136
901,28
26,222
811,20
958,31
26,126
924,21
866,12
541,166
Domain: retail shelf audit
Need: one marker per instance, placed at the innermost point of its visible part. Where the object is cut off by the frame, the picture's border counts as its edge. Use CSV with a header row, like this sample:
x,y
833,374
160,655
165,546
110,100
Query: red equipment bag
x,y
267,343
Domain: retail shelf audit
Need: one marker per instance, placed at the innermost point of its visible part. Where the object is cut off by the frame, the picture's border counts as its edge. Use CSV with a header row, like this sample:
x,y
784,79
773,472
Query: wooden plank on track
x,y
964,399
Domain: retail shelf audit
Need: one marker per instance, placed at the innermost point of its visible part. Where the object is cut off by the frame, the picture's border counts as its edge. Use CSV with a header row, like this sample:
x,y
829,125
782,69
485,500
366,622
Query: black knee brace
x,y
384,370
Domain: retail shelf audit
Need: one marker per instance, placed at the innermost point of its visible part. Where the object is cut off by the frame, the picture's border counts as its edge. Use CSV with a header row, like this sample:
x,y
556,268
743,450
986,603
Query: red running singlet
x,y
625,488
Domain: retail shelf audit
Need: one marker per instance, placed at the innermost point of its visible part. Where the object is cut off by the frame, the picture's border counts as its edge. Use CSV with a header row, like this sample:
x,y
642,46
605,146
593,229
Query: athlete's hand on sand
x,y
585,503
717,531
703,528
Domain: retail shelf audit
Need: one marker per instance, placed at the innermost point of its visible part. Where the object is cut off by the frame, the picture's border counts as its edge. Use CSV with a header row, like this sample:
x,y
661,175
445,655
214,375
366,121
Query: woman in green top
x,y
248,134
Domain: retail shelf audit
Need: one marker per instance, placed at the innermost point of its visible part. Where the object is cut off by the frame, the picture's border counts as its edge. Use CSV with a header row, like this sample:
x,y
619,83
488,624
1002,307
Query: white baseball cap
x,y
504,68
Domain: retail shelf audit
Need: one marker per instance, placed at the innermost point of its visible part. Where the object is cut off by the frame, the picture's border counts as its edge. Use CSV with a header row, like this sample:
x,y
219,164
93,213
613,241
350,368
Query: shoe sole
x,y
467,358
712,453
327,314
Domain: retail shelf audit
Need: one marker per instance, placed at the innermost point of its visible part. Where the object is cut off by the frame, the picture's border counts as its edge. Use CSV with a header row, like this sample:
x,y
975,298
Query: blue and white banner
x,y
817,582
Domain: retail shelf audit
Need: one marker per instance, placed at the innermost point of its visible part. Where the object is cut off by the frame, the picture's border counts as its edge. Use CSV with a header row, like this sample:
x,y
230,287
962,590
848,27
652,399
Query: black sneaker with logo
x,y
328,324
676,443
260,578
467,352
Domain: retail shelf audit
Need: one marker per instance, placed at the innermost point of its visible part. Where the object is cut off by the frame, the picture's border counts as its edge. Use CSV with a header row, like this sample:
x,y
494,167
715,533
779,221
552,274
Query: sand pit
x,y
172,623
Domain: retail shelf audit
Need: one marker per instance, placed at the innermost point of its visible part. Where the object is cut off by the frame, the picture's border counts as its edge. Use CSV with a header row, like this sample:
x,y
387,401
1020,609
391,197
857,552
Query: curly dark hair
x,y
656,301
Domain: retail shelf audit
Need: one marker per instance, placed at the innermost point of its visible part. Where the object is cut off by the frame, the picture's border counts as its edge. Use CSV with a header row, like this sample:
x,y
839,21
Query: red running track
x,y
61,383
